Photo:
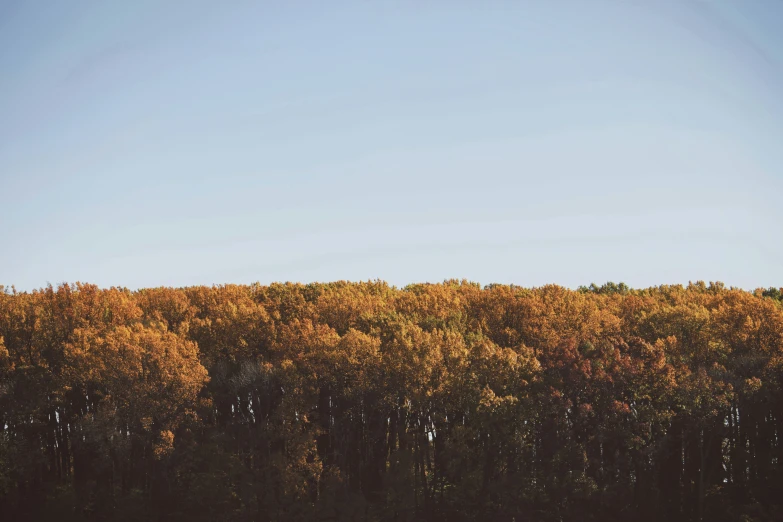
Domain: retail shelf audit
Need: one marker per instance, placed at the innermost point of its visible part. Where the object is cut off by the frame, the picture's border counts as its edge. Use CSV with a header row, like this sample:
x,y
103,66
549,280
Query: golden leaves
x,y
164,445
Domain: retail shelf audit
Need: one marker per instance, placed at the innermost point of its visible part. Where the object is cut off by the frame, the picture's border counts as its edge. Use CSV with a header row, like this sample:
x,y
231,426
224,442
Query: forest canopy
x,y
367,402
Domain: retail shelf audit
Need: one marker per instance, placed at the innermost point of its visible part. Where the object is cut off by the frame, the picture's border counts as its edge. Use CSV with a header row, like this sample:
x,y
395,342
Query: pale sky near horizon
x,y
153,143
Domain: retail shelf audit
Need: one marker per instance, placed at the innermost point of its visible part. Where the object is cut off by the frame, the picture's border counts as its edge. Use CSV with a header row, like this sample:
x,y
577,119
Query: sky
x,y
181,143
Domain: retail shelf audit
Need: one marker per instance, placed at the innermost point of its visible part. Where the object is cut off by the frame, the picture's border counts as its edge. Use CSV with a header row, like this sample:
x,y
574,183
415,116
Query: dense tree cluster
x,y
361,401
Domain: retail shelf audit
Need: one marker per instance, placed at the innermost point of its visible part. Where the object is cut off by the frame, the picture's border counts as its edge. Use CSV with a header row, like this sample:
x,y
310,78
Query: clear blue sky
x,y
155,143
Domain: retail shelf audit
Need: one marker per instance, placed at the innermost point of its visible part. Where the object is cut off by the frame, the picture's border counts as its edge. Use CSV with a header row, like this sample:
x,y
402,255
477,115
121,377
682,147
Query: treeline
x,y
361,401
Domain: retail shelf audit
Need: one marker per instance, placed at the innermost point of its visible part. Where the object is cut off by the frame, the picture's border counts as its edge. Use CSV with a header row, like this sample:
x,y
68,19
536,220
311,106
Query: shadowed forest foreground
x,y
361,401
